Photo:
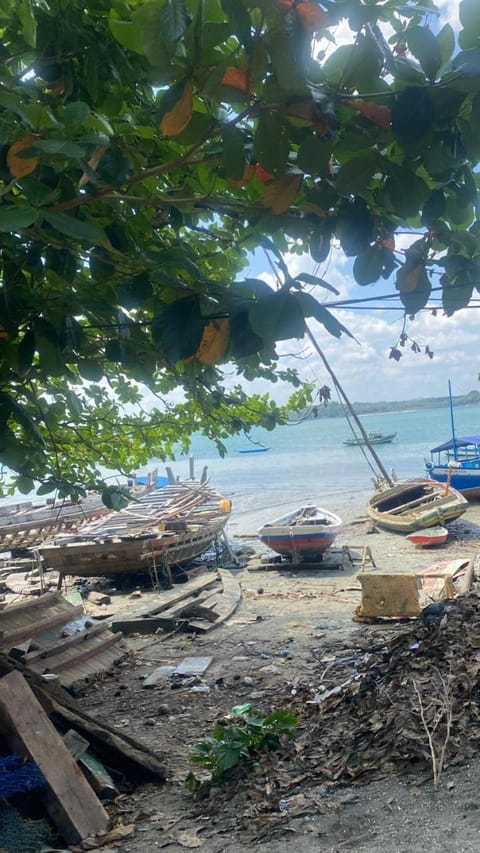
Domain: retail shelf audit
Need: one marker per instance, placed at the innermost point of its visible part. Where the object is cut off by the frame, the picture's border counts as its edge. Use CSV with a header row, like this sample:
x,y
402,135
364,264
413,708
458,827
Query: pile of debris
x,y
395,700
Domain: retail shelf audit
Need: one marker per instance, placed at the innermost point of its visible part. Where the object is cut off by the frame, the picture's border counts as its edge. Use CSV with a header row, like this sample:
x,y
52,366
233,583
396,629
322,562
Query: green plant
x,y
241,736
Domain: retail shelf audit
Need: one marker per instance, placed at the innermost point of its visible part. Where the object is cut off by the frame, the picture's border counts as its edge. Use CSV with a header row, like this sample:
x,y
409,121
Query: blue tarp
x,y
460,441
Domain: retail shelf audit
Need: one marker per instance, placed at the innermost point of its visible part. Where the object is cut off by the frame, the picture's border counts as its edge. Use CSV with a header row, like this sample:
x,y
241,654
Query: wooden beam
x,y
70,801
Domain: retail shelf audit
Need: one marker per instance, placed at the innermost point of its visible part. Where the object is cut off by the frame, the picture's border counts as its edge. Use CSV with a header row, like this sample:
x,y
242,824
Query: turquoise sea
x,y
308,462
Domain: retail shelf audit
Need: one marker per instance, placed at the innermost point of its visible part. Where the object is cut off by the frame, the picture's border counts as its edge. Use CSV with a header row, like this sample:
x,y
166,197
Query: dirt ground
x,y
272,653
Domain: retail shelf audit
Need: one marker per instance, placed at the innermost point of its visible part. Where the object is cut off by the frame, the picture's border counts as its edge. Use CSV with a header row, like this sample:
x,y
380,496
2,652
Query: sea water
x,y
308,463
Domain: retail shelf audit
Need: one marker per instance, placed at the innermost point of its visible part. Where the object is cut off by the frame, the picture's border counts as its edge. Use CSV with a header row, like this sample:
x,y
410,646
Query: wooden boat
x,y
26,525
414,504
373,438
429,536
306,532
167,527
457,462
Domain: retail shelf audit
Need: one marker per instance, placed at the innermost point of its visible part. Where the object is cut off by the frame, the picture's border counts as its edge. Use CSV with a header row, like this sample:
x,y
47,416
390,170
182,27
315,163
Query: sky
x,y
363,366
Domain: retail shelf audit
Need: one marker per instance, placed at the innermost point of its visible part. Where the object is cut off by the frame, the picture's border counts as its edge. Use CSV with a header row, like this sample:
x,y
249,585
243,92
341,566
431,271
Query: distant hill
x,y
336,410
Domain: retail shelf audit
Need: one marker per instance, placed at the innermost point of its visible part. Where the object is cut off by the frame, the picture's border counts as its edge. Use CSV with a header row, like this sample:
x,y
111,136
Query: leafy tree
x,y
149,147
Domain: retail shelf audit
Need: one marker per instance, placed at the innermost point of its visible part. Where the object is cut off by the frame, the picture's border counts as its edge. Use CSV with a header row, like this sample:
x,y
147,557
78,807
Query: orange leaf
x,y
408,282
382,116
21,166
179,117
236,77
248,174
281,192
311,17
214,343
93,163
262,174
3,333
285,5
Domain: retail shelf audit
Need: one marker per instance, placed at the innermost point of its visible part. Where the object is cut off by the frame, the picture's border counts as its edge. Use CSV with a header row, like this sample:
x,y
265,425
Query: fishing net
x,y
20,835
18,775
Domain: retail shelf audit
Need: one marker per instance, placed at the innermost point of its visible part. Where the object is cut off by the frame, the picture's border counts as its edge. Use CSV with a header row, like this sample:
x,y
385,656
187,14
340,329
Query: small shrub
x,y
241,736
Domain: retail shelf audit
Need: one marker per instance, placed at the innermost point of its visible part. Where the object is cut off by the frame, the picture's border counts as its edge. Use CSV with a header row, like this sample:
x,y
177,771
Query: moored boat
x,y
457,462
167,527
373,438
429,536
305,533
413,504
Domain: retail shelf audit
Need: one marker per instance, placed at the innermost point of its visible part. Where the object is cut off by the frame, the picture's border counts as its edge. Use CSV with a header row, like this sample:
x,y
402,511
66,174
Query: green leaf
x,y
469,14
16,217
77,229
314,155
330,323
57,146
175,19
271,143
434,207
114,498
90,369
446,43
277,317
406,191
233,153
355,175
239,20
313,279
177,329
456,295
412,114
127,33
75,113
368,266
466,68
25,485
425,47
29,25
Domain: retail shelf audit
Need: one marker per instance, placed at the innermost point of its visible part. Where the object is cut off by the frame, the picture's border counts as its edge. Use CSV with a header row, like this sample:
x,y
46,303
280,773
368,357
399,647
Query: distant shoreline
x,y
397,407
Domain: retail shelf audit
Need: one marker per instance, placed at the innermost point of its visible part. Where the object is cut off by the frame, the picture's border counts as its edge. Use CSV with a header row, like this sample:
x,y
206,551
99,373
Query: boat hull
x,y
168,527
463,479
415,504
429,537
290,537
372,439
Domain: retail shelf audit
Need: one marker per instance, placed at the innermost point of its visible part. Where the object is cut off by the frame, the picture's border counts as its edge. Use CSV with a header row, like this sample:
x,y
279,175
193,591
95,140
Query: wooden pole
x,y
351,410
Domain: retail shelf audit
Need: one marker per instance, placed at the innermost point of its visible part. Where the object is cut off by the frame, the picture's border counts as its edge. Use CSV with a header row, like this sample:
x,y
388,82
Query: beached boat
x,y
429,536
25,525
413,504
167,527
457,461
373,438
305,533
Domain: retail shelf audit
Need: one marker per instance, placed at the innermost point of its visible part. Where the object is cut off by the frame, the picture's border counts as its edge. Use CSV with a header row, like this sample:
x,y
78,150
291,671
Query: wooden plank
x,y
185,590
41,625
73,656
72,804
222,605
389,595
66,643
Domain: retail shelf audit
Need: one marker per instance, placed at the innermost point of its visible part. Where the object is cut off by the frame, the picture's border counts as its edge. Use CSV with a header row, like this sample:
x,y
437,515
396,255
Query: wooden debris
x,y
120,752
192,666
71,803
72,658
388,595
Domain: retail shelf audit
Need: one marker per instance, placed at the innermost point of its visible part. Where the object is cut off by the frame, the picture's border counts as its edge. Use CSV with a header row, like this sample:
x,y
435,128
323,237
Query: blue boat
x,y
254,450
456,462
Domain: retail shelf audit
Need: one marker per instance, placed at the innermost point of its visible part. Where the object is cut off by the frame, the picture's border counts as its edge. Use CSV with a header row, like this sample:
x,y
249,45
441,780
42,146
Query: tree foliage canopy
x,y
148,147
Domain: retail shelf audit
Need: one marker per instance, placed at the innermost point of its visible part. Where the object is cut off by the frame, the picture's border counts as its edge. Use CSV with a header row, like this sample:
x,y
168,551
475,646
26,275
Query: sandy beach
x,y
267,653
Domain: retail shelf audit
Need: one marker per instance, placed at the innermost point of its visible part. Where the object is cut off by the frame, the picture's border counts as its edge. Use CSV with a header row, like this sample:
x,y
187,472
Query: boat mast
x,y
454,442
351,410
